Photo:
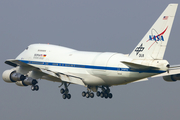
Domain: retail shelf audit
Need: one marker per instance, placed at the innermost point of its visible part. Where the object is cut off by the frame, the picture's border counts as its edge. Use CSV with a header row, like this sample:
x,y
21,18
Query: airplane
x,y
97,71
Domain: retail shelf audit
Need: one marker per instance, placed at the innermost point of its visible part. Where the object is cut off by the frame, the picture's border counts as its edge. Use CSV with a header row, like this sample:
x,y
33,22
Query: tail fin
x,y
153,44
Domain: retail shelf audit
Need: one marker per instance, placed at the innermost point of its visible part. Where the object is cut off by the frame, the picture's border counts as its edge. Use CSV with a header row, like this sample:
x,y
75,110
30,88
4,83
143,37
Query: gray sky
x,y
101,25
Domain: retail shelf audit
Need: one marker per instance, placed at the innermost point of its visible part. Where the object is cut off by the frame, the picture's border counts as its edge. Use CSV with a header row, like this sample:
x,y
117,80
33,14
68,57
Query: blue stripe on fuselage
x,y
89,66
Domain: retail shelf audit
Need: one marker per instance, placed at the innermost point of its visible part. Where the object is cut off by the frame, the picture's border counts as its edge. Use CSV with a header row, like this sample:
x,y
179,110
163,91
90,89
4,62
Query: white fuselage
x,y
96,68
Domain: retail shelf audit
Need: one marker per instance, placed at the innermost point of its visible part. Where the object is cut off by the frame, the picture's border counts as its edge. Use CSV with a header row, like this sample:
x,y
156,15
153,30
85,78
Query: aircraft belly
x,y
124,78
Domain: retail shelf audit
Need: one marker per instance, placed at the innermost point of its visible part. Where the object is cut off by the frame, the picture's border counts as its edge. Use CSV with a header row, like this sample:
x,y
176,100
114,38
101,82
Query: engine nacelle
x,y
172,78
26,82
11,76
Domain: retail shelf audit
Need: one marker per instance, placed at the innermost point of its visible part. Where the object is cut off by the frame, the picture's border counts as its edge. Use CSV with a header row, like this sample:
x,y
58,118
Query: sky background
x,y
89,25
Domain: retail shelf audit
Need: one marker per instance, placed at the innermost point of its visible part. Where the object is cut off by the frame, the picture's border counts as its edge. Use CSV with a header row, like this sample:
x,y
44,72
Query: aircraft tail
x,y
153,44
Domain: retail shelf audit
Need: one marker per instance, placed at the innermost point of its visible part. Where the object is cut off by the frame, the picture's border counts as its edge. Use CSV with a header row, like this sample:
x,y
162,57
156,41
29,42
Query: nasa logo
x,y
156,38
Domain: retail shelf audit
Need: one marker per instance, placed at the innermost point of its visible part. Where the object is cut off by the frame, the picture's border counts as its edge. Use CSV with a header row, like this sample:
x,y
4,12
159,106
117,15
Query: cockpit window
x,y
27,48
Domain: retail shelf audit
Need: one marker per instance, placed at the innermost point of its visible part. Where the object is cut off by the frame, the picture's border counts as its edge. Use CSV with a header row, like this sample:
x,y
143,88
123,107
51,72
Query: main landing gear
x,y
105,93
65,91
88,94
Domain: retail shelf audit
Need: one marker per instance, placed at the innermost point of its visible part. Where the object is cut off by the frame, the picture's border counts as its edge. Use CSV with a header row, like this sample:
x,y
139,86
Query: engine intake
x,y
11,76
172,78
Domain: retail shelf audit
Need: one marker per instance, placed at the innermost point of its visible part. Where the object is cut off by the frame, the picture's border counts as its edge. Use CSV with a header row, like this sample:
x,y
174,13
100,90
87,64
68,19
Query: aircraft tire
x,y
87,95
106,95
91,95
98,93
62,91
110,95
32,88
83,93
68,96
102,94
64,96
36,87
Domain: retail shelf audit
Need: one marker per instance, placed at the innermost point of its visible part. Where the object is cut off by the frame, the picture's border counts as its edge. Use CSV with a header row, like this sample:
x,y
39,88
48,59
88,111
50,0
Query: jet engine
x,y
172,78
26,82
12,76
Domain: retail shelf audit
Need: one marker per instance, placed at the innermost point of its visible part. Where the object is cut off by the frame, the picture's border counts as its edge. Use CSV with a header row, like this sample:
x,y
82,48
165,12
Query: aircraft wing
x,y
45,73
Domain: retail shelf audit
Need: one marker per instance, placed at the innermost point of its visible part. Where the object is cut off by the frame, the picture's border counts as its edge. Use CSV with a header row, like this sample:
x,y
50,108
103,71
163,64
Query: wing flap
x,y
65,77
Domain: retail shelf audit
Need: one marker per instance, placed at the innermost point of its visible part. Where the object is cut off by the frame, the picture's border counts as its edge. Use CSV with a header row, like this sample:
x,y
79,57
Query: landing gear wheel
x,y
91,95
32,88
102,94
83,93
68,96
106,95
62,91
87,95
36,87
110,95
98,93
64,96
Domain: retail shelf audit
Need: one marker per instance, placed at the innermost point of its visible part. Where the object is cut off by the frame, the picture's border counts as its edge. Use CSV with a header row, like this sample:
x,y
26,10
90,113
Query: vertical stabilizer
x,y
153,44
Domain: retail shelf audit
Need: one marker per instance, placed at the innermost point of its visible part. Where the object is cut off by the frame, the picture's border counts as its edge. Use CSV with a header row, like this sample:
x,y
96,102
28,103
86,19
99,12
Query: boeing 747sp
x,y
97,71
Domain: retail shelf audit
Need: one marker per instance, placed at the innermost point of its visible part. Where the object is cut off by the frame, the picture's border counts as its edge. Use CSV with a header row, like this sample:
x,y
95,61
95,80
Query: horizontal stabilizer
x,y
174,66
173,70
136,66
